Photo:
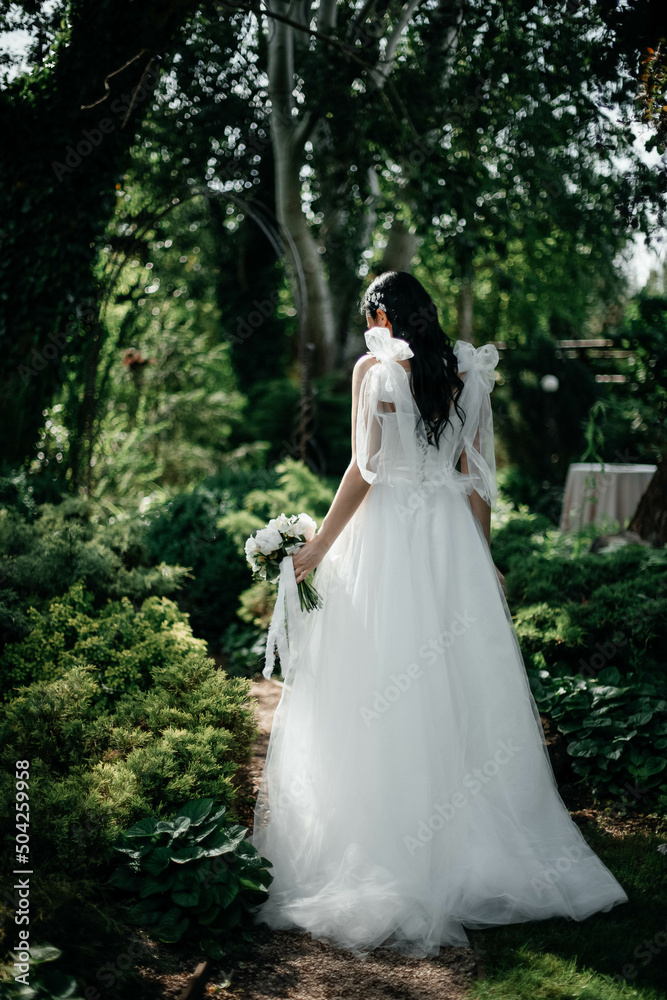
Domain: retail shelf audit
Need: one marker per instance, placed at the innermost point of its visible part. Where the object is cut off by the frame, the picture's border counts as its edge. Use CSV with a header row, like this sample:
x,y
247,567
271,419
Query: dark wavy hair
x,y
413,316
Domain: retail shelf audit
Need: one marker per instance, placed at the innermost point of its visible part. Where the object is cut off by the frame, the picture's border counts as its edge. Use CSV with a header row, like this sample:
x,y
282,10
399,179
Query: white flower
x,y
281,523
251,547
305,526
268,540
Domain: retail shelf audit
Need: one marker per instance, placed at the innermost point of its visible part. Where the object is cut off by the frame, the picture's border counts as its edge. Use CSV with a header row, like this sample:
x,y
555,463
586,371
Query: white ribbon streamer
x,y
286,617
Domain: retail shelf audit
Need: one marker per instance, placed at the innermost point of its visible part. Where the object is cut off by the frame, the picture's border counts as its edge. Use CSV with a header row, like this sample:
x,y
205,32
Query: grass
x,y
609,956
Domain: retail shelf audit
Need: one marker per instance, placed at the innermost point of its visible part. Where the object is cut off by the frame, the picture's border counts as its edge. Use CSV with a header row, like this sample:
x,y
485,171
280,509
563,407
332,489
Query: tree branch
x,y
386,63
86,107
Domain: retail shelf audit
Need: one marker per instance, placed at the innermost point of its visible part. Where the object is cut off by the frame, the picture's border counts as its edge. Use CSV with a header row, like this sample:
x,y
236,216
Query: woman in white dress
x,y
407,792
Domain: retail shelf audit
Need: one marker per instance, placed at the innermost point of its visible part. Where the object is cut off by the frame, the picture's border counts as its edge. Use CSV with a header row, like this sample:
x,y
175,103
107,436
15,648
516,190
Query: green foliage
x,y
297,490
592,628
44,981
256,604
244,647
523,486
194,878
296,487
94,772
41,557
191,528
123,644
615,729
635,424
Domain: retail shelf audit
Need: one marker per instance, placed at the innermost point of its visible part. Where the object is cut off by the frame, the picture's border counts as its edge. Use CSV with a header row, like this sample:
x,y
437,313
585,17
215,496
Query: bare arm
x,y
352,490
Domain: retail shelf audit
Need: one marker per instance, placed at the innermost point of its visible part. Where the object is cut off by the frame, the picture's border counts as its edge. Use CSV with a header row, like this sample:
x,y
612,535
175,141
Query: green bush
x,y
193,878
188,529
297,489
593,627
95,772
121,643
41,556
244,650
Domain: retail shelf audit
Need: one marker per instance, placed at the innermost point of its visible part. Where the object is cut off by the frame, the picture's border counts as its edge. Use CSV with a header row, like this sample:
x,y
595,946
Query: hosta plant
x,y
616,731
42,981
193,878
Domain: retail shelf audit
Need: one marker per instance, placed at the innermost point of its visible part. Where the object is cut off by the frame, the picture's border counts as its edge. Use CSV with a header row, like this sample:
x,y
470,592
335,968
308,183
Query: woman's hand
x,y
501,578
308,557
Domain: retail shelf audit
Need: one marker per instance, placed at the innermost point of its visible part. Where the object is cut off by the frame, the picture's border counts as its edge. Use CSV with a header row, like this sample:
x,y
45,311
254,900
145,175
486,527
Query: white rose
x,y
251,547
281,523
305,526
268,540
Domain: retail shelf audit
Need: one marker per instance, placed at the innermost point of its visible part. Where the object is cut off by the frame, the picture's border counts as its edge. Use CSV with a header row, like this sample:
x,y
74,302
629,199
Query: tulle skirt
x,y
407,792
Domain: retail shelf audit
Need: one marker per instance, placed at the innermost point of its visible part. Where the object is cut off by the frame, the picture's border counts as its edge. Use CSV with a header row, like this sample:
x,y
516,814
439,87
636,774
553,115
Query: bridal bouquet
x,y
267,547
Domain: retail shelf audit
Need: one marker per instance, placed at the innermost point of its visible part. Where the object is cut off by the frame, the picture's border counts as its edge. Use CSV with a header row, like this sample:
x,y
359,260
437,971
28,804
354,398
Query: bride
x,y
407,793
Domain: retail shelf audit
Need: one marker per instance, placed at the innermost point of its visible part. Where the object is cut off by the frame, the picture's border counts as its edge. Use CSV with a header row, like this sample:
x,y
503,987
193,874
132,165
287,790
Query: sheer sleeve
x,y
368,431
384,395
476,368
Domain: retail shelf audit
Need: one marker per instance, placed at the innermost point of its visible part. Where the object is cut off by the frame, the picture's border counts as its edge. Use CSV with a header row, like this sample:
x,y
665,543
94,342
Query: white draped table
x,y
605,496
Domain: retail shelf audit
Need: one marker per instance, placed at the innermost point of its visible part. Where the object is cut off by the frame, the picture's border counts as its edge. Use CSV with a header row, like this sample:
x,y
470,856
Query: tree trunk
x,y
400,249
288,134
650,519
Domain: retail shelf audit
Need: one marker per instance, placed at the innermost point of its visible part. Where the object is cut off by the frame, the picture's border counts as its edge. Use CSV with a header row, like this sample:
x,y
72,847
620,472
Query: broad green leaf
x,y
595,721
183,897
609,675
209,915
196,811
134,852
654,765
44,953
226,894
157,860
181,825
583,748
206,831
144,828
250,883
225,841
172,926
123,878
152,887
641,719
146,912
187,854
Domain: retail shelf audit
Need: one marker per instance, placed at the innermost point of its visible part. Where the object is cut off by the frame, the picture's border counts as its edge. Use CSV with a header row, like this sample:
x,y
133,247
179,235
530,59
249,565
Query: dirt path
x,y
295,967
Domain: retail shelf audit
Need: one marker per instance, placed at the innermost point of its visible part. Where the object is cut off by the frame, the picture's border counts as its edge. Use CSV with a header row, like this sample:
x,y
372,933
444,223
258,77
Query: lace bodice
x,y
391,440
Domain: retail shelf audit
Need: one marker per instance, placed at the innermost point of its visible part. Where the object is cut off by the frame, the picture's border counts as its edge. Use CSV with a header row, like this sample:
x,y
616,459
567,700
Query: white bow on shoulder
x,y
384,347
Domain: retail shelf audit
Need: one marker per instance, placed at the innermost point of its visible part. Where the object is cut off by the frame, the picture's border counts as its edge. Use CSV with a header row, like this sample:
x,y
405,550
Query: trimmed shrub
x,y
42,556
94,773
123,644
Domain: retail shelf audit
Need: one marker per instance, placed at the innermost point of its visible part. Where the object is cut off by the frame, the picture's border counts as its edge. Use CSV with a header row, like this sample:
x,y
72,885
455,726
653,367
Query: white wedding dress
x,y
407,792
